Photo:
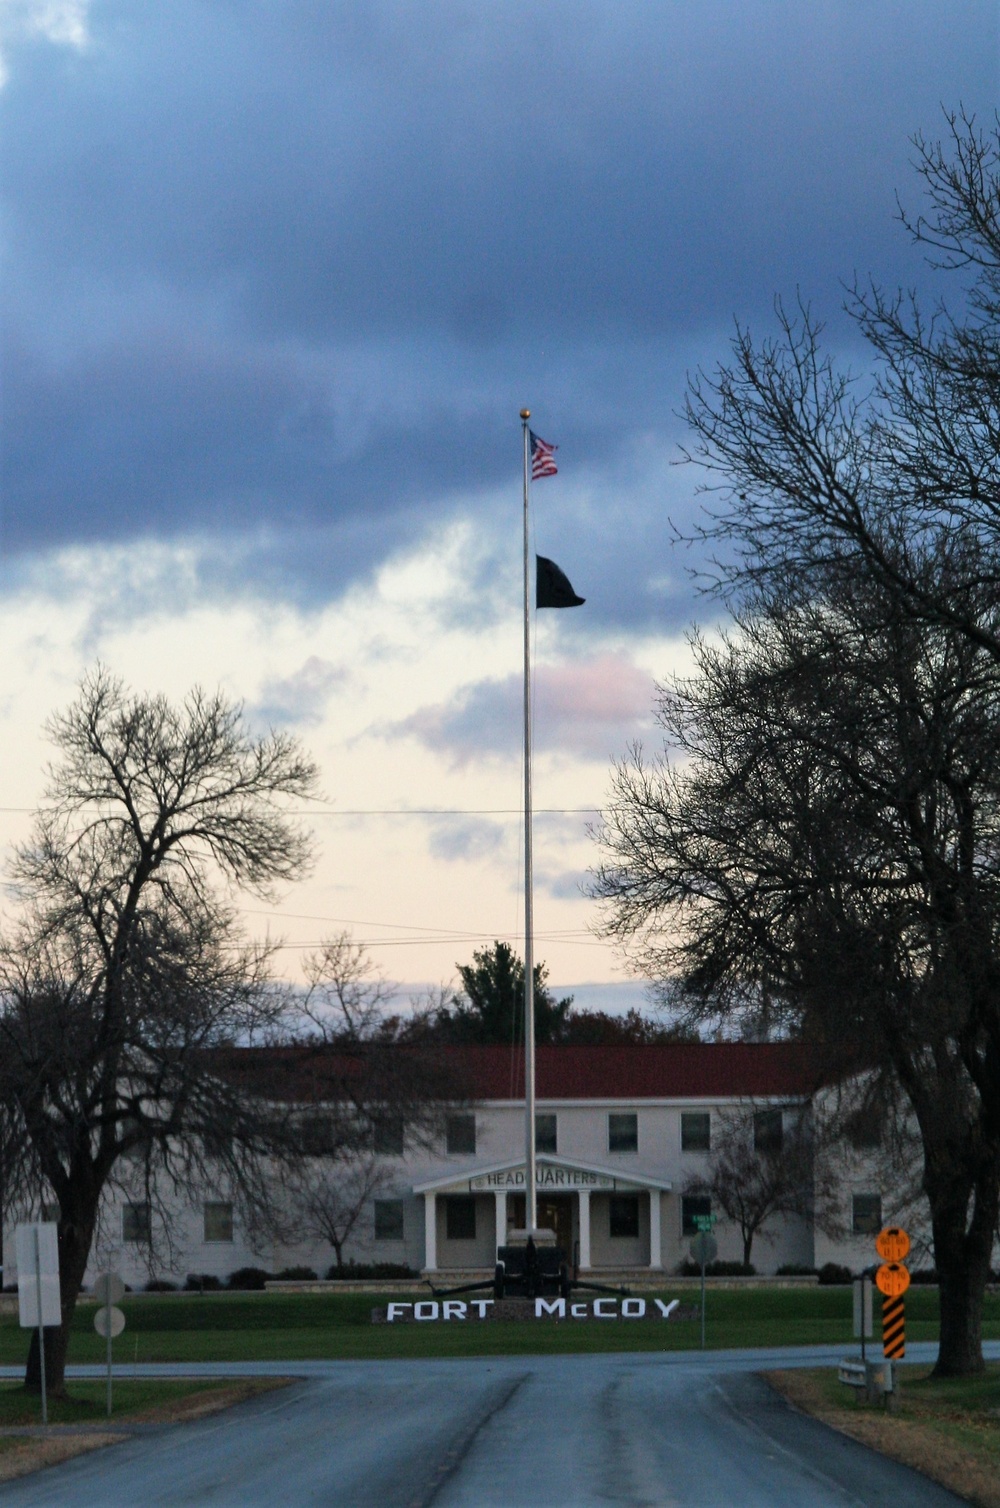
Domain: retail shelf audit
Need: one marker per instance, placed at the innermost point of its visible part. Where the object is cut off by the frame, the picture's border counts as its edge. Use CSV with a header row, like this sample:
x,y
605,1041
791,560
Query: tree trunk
x,y
962,1255
74,1249
747,1247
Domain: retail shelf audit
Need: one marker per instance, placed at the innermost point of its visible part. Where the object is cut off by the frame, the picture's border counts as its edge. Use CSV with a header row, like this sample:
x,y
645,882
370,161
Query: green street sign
x,y
705,1222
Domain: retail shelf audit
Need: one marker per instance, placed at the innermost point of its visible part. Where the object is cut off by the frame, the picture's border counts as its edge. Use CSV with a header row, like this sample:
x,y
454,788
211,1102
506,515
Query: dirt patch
x,y
209,1401
951,1447
19,1457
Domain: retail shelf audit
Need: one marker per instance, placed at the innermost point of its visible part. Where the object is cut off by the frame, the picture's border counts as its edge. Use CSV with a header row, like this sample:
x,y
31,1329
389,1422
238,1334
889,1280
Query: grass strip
x,y
293,1327
946,1428
299,1327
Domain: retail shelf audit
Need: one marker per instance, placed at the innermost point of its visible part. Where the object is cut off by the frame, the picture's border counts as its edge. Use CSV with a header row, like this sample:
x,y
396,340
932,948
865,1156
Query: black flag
x,y
552,586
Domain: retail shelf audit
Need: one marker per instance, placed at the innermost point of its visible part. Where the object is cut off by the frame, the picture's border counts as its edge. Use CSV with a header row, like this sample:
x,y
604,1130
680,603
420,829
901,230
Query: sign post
x,y
109,1321
863,1310
892,1280
38,1287
704,1249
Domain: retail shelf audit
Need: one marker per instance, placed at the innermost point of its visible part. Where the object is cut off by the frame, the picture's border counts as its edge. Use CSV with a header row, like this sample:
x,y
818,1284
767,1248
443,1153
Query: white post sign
x,y
38,1286
38,1271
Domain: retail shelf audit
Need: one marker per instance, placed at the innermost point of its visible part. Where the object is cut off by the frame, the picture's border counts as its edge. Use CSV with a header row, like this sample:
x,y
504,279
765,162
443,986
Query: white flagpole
x,y
531,1203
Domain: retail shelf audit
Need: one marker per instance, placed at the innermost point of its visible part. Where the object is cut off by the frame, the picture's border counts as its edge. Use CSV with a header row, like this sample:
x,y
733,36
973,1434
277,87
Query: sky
x,y
278,276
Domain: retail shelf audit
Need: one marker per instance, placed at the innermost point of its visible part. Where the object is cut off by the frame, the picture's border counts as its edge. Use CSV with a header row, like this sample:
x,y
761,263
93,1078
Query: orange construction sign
x,y
892,1244
892,1279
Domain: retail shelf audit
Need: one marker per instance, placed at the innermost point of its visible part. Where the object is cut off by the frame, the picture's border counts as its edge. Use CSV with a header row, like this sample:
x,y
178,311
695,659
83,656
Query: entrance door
x,y
555,1212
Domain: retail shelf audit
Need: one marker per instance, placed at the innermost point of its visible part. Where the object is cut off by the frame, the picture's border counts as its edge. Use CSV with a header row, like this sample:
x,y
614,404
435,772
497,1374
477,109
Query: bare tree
x,y
812,470
761,1166
336,1198
347,998
826,833
126,988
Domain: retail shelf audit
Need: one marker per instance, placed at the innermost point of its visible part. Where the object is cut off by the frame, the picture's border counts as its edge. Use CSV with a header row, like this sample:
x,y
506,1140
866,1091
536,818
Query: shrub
x,y
795,1270
202,1282
160,1285
833,1272
370,1271
297,1275
718,1270
250,1278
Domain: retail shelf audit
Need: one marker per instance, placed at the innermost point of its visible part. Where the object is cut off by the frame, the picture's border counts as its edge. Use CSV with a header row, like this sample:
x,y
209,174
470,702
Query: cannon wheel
x,y
565,1281
498,1281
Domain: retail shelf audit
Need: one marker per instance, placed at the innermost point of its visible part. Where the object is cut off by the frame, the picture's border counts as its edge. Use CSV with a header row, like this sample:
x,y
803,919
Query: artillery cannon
x,y
530,1265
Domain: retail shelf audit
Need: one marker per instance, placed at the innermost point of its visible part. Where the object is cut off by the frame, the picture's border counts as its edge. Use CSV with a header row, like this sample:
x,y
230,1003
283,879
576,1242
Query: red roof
x,y
628,1072
674,1070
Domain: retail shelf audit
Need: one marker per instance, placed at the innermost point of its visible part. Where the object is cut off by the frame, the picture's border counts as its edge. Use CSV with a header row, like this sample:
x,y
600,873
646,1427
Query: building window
x,y
460,1217
866,1214
623,1132
387,1135
693,1206
461,1133
545,1133
624,1215
767,1131
135,1222
696,1131
864,1129
388,1219
318,1136
218,1222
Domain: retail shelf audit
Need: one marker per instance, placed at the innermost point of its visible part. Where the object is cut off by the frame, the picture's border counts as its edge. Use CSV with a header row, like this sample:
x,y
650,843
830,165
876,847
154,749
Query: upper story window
x,y
696,1131
546,1133
768,1132
623,1131
863,1129
387,1135
460,1133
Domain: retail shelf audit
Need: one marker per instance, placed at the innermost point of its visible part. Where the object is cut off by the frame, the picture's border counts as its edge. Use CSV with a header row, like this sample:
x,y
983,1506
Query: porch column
x,y
584,1197
500,1196
655,1257
430,1232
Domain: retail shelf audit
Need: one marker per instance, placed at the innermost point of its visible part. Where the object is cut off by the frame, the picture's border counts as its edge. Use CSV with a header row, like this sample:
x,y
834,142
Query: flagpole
x,y
531,1203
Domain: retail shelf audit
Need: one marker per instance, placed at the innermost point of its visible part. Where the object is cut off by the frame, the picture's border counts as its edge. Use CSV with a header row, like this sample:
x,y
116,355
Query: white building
x,y
620,1131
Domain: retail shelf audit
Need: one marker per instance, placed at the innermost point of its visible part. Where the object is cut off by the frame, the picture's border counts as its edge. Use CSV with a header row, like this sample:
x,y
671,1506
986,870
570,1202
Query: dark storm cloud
x,y
295,267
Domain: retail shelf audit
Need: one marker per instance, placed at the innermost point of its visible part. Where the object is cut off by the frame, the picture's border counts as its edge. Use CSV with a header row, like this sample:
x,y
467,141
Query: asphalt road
x,y
522,1432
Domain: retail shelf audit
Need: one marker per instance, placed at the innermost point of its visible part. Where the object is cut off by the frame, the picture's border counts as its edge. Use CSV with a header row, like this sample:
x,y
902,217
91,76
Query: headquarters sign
x,y
548,1177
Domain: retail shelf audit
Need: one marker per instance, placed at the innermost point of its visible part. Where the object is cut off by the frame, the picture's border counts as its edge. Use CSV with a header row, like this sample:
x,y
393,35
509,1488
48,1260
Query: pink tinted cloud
x,y
590,708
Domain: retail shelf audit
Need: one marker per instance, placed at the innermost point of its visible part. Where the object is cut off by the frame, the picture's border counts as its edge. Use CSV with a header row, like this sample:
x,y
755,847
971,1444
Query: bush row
x,y
250,1279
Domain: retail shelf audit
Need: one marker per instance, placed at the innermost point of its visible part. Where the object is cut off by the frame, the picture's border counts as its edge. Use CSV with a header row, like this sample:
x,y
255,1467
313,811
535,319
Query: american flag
x,y
542,457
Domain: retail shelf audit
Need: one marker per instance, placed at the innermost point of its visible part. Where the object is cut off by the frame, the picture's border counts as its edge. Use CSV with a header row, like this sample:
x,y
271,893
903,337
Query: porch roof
x,y
578,1175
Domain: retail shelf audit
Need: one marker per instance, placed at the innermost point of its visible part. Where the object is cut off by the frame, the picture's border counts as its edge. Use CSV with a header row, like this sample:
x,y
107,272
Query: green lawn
x,y
237,1327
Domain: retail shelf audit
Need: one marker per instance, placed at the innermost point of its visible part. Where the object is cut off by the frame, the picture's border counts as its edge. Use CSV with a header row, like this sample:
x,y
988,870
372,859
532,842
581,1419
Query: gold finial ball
x,y
526,413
